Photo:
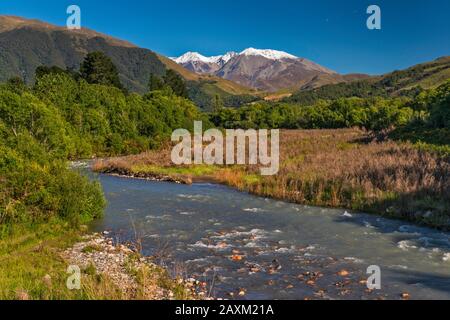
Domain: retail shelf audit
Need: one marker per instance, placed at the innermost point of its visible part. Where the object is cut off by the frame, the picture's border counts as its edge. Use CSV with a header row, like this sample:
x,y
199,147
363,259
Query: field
x,y
330,168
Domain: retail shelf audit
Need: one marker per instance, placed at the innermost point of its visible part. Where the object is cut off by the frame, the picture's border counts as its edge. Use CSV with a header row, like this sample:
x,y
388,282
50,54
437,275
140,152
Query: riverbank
x,y
327,168
34,263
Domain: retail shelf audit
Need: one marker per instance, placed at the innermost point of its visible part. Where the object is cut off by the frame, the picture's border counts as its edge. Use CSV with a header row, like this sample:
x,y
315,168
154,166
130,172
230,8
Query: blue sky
x,y
330,32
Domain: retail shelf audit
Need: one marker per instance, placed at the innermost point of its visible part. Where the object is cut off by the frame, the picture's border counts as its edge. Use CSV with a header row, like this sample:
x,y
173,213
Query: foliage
x,y
409,82
176,83
431,123
373,114
98,68
204,93
171,83
155,83
64,118
414,119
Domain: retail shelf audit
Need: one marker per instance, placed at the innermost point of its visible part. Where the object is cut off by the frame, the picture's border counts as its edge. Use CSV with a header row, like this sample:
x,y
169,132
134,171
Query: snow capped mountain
x,y
227,57
197,57
193,57
268,53
263,69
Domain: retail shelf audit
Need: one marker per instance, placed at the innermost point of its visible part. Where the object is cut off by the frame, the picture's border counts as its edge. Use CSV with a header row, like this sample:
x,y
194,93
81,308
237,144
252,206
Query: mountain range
x,y
237,78
26,44
261,69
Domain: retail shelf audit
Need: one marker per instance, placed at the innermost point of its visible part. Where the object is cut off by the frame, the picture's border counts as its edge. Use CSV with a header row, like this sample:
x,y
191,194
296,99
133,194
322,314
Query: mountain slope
x,y
226,85
26,44
203,89
267,70
398,83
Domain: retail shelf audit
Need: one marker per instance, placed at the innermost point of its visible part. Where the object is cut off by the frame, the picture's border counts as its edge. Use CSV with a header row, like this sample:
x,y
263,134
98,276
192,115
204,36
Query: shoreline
x,y
134,276
329,168
189,180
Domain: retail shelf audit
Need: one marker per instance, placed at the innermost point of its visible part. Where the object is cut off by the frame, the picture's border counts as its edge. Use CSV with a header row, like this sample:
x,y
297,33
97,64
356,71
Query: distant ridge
x,y
8,23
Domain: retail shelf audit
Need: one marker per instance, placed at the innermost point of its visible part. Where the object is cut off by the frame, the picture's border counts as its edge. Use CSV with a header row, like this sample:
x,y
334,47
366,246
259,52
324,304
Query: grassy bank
x,y
30,265
33,267
331,168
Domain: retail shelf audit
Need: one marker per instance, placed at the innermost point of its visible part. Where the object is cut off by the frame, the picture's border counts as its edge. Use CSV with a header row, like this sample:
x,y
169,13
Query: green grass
x,y
29,258
31,268
27,255
427,139
193,171
252,179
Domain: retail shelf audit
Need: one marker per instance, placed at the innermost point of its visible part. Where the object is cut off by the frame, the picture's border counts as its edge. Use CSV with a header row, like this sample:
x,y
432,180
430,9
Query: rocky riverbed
x,y
135,276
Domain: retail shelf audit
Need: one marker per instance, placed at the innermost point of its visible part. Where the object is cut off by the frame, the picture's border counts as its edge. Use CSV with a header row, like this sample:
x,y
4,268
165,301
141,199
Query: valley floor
x,y
329,168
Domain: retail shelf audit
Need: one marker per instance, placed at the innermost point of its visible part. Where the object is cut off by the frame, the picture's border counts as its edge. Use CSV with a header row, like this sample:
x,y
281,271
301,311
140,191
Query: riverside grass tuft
x,y
32,267
331,168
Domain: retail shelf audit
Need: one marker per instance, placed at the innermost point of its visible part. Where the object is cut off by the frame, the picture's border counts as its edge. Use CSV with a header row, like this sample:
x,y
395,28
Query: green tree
x,y
155,83
44,70
217,103
97,68
16,84
176,82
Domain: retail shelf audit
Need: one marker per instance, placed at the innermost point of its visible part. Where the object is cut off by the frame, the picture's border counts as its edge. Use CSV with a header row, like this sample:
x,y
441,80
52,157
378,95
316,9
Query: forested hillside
x,y
65,117
408,82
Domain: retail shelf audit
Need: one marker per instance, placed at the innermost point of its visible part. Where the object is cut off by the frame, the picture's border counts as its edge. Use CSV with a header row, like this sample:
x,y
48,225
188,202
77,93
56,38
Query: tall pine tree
x,y
97,68
155,83
176,82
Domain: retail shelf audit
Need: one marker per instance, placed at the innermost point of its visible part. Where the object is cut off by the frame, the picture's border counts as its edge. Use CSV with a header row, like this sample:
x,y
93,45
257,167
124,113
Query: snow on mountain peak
x,y
268,53
197,57
191,57
223,59
228,56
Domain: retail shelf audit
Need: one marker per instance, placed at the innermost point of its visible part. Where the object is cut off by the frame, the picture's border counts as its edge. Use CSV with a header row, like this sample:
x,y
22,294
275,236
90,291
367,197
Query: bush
x,y
66,118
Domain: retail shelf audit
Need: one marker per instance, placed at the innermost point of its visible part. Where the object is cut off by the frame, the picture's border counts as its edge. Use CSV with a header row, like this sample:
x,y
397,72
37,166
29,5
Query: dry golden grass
x,y
335,168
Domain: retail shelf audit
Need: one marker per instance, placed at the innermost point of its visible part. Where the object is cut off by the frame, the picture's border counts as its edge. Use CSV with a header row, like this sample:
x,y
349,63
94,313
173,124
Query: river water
x,y
268,249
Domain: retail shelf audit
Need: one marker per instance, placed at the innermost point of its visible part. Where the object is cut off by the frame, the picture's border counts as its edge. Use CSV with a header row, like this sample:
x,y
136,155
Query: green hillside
x,y
406,82
28,44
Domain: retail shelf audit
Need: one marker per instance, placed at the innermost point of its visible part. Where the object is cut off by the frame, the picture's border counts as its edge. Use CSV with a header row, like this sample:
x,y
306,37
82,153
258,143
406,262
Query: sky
x,y
332,33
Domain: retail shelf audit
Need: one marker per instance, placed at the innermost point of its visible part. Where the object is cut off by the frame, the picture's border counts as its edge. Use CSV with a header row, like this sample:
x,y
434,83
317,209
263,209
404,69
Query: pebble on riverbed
x,y
115,261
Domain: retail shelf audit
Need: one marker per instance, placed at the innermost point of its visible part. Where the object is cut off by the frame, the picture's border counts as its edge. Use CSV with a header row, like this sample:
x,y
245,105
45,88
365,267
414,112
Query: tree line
x,y
429,110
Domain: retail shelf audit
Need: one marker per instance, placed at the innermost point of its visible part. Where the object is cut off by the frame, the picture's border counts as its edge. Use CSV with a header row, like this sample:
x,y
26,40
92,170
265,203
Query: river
x,y
248,247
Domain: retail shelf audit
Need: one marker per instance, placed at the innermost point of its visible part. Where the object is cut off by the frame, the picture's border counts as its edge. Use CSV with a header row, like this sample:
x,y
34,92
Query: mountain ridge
x,y
261,69
10,22
26,44
407,82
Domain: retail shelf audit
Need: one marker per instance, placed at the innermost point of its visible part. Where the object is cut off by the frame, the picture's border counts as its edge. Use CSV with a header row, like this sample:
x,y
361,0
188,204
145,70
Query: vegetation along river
x,y
247,247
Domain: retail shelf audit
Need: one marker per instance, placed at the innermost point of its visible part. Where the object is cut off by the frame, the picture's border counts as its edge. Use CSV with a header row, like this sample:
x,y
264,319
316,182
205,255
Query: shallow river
x,y
270,249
